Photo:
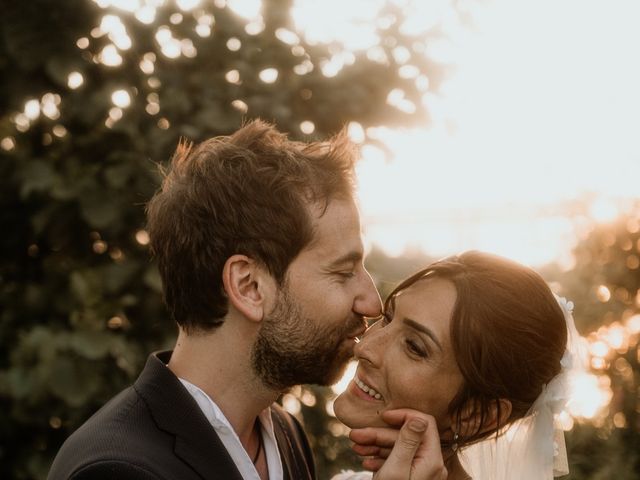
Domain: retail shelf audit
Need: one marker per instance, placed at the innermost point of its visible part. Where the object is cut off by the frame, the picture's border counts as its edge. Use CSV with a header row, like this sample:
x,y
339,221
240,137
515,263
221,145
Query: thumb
x,y
411,434
399,463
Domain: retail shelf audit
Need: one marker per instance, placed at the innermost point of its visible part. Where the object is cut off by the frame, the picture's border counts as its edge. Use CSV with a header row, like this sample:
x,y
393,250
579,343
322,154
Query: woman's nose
x,y
372,346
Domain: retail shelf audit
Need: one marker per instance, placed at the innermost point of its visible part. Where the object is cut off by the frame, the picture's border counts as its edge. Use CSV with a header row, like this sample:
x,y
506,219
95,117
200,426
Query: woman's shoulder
x,y
351,475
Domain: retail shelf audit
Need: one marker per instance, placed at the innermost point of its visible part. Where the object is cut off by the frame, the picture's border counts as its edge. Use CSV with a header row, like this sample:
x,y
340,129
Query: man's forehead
x,y
336,232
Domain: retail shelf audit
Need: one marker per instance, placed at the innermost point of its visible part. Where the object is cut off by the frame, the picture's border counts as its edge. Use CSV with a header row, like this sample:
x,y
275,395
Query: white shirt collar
x,y
230,438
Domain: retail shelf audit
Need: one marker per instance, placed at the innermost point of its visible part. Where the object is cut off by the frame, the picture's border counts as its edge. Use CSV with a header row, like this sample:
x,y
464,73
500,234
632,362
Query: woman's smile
x,y
370,392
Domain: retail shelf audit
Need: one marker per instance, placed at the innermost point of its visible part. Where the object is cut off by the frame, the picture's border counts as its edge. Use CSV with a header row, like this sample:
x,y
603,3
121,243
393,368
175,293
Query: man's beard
x,y
292,349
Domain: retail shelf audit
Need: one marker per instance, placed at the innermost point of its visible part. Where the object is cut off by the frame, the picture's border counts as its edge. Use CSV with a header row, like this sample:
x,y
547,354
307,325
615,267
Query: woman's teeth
x,y
367,389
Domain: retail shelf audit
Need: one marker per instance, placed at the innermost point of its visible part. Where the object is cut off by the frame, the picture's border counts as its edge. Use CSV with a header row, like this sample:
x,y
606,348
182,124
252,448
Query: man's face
x,y
310,334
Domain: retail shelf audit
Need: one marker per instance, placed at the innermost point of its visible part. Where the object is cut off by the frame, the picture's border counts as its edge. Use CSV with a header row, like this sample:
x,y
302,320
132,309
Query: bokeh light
x,y
500,167
121,98
268,75
75,80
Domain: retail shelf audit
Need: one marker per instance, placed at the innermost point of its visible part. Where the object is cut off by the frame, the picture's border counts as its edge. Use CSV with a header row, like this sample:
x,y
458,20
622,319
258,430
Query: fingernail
x,y
417,426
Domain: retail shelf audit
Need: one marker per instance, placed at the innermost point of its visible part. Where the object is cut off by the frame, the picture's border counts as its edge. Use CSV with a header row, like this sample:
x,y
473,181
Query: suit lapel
x,y
175,412
211,461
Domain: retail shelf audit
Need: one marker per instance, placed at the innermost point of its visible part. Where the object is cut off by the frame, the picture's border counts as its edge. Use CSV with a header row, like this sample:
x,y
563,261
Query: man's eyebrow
x,y
424,329
351,257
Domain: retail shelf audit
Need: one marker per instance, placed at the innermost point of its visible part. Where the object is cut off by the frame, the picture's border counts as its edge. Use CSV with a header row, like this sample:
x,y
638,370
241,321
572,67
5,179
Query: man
x,y
258,244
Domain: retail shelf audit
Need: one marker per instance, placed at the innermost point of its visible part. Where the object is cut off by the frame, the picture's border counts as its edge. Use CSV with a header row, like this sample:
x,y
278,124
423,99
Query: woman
x,y
479,343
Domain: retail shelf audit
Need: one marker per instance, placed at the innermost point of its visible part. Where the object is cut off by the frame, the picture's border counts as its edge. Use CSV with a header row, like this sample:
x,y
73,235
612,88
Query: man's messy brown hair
x,y
249,193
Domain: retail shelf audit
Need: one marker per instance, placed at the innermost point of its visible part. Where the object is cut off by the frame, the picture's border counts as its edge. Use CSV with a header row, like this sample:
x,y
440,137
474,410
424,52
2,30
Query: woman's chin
x,y
348,411
342,411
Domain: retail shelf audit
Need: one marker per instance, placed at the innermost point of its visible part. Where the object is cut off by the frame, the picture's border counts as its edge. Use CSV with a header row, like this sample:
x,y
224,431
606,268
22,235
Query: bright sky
x,y
545,107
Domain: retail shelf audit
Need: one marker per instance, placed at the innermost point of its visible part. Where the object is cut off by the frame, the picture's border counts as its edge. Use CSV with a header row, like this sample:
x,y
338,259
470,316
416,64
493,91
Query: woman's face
x,y
406,359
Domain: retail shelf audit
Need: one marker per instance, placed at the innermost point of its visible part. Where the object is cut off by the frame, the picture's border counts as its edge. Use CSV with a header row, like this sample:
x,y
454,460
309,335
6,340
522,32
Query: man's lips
x,y
356,335
359,332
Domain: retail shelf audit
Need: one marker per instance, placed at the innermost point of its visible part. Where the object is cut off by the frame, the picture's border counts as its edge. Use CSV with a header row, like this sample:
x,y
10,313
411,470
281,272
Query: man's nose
x,y
367,302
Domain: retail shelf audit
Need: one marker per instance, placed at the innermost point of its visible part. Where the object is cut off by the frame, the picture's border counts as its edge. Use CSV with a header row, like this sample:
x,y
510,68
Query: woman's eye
x,y
416,349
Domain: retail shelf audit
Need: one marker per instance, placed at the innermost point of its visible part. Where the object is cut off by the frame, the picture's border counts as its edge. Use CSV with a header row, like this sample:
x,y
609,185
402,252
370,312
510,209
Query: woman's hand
x,y
413,452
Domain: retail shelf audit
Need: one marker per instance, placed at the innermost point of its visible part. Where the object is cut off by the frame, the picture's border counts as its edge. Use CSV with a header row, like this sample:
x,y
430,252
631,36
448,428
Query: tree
x,y
92,99
604,285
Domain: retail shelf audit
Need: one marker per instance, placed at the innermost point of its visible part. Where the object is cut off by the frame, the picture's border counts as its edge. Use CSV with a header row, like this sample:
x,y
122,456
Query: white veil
x,y
533,447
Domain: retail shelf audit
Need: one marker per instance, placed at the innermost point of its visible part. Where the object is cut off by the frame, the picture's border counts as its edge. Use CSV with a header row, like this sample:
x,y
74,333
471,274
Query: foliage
x,y
81,300
604,285
598,455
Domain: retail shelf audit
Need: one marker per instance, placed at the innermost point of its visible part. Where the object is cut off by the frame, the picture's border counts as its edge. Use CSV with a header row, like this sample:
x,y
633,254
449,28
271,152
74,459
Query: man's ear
x,y
248,286
472,423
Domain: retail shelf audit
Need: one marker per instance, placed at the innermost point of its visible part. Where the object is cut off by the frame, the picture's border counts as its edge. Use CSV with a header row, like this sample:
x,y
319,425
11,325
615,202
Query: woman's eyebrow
x,y
424,329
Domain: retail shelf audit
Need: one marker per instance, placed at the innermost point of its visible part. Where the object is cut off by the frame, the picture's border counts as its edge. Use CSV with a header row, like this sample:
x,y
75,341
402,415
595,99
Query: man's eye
x,y
348,274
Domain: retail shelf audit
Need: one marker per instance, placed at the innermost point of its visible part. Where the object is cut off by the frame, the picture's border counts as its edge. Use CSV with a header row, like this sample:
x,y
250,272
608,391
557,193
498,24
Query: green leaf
x,y
91,344
117,276
19,382
79,285
86,286
98,210
152,279
64,189
118,175
128,300
37,176
67,381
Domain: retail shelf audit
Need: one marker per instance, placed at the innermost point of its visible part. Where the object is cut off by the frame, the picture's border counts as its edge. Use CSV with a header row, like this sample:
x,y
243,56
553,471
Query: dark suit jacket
x,y
155,430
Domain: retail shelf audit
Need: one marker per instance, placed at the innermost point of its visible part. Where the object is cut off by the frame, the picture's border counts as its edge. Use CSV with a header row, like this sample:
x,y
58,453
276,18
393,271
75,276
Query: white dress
x,y
351,475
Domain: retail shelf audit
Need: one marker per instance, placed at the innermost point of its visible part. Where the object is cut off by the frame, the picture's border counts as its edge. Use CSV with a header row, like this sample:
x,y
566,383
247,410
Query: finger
x,y
374,464
428,461
399,416
379,436
383,453
400,460
363,436
366,450
371,451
